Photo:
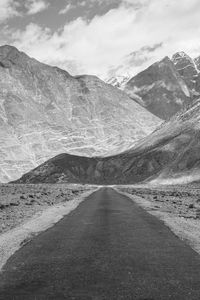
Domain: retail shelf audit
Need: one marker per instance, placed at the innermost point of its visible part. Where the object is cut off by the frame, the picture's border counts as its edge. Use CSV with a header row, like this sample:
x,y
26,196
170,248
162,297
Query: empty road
x,y
108,248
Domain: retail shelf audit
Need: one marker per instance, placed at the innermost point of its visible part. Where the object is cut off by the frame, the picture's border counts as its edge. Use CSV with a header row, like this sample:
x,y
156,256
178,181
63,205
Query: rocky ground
x,y
181,201
177,206
19,202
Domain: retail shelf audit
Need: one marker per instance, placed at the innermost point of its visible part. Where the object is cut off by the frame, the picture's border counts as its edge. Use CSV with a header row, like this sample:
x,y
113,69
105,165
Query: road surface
x,y
106,249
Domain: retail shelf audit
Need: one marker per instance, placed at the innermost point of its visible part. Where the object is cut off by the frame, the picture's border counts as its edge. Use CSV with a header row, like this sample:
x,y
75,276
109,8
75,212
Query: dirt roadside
x,y
178,207
21,222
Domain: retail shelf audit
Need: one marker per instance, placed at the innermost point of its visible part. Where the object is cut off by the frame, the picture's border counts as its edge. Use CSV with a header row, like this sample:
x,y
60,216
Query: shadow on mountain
x,y
172,152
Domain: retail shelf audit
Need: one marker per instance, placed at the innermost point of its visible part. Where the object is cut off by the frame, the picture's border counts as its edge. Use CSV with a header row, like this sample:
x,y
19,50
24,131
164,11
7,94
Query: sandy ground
x,y
19,202
26,210
177,206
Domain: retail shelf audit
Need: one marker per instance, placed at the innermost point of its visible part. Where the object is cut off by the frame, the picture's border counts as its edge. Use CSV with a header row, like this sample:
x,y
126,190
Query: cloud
x,y
8,9
134,61
82,3
66,9
13,8
71,6
35,6
97,46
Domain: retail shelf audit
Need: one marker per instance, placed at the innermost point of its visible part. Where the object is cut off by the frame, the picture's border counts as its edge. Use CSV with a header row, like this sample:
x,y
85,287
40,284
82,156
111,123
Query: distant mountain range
x,y
44,111
166,86
171,155
58,128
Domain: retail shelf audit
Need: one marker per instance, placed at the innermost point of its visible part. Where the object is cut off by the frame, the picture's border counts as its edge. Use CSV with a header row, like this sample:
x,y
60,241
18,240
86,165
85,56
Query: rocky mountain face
x,y
187,69
170,154
161,88
166,86
44,111
197,62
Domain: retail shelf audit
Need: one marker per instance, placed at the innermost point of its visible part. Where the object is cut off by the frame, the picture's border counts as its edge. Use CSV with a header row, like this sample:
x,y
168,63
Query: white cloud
x,y
8,9
13,8
102,43
35,6
67,8
70,6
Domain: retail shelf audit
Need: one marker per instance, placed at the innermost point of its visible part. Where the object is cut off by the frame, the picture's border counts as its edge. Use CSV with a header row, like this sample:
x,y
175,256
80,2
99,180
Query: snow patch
x,y
185,89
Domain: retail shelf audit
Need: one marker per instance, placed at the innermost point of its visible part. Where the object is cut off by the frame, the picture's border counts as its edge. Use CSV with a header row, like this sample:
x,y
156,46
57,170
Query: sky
x,y
101,37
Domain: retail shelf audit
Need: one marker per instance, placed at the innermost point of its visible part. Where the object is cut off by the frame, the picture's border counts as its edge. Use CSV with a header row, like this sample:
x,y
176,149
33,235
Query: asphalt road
x,y
108,248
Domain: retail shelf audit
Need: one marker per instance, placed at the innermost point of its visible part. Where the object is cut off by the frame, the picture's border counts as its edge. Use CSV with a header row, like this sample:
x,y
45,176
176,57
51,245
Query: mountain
x,y
170,154
187,68
45,111
197,62
161,88
118,81
165,87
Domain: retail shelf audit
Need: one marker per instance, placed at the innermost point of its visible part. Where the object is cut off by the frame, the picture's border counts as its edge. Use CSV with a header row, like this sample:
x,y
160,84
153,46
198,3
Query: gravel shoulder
x,y
177,206
27,210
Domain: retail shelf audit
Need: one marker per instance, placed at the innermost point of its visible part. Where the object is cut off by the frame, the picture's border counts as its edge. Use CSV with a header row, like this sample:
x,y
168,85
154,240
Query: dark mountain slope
x,y
172,152
166,86
161,88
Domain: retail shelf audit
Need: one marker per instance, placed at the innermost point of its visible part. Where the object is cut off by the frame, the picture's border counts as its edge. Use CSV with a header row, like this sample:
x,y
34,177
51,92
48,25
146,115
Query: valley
x,y
79,159
64,130
99,150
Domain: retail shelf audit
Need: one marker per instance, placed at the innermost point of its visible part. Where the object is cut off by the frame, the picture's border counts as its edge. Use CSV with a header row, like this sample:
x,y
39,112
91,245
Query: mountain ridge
x,y
170,154
158,93
45,111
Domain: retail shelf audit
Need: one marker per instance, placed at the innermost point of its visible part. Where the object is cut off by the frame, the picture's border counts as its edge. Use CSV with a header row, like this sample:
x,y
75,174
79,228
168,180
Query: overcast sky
x,y
101,37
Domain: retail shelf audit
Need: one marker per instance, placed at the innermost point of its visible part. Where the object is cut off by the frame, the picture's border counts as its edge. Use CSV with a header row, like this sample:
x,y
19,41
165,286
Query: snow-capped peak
x,y
118,81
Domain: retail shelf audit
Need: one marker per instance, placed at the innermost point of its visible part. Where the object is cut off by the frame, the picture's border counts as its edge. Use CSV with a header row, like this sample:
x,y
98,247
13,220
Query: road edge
x,y
177,225
16,238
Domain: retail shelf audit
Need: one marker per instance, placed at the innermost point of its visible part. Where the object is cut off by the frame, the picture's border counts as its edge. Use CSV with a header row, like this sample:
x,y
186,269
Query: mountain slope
x,y
187,69
171,153
45,111
162,89
166,86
